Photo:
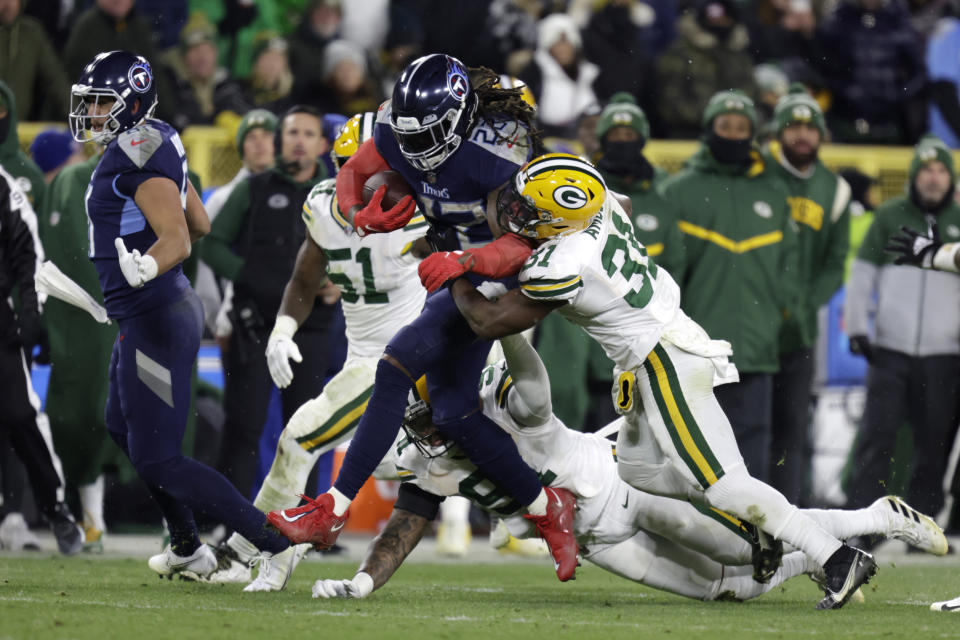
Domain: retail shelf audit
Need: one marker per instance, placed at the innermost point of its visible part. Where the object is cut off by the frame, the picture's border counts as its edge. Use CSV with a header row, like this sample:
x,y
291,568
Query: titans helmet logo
x,y
140,77
457,83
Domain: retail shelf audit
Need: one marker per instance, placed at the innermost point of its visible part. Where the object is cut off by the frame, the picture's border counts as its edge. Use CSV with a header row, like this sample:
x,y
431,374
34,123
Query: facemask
x,y
728,151
626,159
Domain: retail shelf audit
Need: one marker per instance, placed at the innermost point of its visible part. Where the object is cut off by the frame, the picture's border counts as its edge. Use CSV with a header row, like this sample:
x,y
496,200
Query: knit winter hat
x,y
930,148
798,106
255,118
732,101
51,148
622,111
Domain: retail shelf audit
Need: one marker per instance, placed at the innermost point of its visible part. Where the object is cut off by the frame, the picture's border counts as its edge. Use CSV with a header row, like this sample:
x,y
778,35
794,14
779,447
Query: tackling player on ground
x,y
455,139
676,441
143,215
661,542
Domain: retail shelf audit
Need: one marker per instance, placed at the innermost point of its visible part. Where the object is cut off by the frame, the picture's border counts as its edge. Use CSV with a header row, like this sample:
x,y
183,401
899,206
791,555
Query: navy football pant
x,y
147,414
441,344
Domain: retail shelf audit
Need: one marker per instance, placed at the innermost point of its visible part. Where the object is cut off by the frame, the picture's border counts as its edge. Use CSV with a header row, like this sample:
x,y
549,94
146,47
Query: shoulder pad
x,y
140,143
383,113
552,272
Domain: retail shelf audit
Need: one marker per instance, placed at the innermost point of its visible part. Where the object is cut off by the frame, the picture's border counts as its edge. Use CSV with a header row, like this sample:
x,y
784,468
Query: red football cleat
x,y
556,528
313,522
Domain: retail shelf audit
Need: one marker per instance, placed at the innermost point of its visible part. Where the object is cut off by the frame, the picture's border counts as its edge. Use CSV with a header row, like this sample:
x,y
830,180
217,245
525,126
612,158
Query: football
x,y
397,188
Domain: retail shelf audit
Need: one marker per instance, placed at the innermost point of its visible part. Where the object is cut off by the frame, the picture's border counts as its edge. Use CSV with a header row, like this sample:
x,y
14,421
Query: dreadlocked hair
x,y
495,101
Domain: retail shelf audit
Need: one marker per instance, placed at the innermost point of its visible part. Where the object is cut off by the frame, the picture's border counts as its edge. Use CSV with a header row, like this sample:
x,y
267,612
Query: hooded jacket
x,y
30,66
12,158
741,251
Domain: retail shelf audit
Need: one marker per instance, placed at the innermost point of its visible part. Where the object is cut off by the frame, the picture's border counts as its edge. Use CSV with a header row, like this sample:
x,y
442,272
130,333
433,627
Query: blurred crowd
x,y
763,84
883,71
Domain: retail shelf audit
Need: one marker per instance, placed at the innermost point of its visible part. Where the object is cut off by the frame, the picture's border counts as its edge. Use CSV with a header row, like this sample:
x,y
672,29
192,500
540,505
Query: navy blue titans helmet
x,y
118,79
432,109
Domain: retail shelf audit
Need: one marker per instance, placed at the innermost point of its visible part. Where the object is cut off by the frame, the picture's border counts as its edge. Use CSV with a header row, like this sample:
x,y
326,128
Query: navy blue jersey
x,y
455,194
150,150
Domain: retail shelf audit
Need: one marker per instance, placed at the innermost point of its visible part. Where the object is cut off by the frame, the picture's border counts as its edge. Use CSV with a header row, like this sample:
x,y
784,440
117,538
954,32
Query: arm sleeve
x,y
216,247
417,501
354,173
529,399
501,258
856,305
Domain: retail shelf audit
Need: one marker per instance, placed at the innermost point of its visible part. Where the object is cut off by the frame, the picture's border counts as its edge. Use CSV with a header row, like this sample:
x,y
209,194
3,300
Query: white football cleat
x,y
948,605
231,569
911,526
15,535
275,570
201,562
453,539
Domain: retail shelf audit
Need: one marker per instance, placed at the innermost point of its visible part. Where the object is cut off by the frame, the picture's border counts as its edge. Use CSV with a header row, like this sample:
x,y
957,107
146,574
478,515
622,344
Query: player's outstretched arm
x,y
198,222
309,276
529,400
400,536
924,250
501,258
511,313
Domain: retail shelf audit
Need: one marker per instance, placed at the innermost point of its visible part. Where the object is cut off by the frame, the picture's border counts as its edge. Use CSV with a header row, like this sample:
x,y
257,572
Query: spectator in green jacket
x,y
741,262
820,207
29,64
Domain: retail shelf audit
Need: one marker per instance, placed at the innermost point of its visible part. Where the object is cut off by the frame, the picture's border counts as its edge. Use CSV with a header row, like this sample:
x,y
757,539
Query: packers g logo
x,y
570,197
140,77
803,113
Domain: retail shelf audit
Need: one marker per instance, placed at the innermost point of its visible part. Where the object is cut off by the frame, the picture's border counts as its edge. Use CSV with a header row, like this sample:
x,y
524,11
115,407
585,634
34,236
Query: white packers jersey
x,y
584,463
376,274
614,291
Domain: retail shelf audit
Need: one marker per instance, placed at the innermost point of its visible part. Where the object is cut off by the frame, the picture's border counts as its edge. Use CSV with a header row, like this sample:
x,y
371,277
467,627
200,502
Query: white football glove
x,y
360,587
281,349
137,269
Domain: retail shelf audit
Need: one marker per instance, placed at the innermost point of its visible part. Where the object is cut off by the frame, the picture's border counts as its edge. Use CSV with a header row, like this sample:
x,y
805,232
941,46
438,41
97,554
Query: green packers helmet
x,y
552,195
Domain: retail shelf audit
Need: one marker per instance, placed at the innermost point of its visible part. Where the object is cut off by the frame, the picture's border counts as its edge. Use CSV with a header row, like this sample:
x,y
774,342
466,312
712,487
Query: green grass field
x,y
101,598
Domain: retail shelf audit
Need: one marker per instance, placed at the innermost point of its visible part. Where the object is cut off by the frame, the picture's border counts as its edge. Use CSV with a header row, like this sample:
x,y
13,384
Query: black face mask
x,y
4,128
626,159
728,151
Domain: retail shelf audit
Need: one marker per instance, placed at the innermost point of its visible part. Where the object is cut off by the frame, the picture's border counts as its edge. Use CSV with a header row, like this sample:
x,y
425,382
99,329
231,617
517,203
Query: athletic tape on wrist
x,y
945,259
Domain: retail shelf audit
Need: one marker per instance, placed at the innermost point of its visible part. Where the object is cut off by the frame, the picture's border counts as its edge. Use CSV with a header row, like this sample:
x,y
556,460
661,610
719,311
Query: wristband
x,y
284,327
364,583
945,259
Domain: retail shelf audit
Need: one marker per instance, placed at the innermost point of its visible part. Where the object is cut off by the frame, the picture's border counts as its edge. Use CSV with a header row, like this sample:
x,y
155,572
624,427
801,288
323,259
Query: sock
x,y
738,580
375,433
288,475
340,502
455,510
539,506
749,499
850,524
91,501
242,547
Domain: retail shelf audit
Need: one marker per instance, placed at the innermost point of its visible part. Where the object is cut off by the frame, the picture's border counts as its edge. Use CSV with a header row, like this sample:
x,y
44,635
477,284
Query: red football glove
x,y
501,258
373,219
439,267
